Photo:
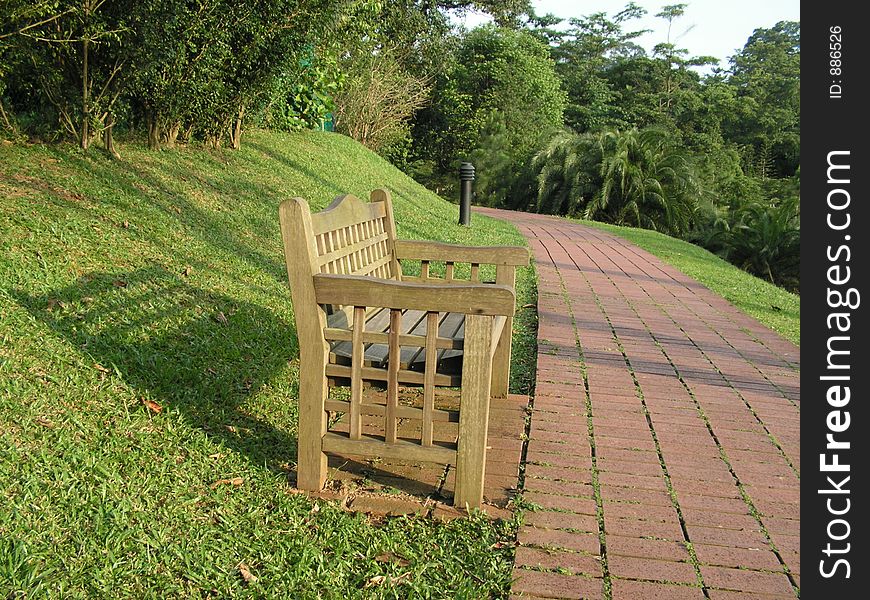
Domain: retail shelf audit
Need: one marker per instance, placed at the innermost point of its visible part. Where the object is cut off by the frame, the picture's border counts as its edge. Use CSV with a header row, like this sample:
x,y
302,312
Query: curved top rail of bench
x,y
346,210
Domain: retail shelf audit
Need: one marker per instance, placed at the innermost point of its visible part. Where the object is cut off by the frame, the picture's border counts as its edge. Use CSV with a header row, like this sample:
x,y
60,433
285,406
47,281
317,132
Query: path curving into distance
x,y
664,440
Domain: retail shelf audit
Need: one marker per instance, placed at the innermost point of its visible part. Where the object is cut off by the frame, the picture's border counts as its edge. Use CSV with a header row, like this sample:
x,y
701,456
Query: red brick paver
x,y
665,432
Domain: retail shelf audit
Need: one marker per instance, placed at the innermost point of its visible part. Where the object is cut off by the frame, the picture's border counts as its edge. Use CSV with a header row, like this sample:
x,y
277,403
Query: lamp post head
x,y
466,172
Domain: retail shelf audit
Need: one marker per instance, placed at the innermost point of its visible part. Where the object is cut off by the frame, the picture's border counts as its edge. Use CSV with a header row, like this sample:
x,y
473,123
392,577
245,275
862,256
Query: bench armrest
x,y
515,256
465,298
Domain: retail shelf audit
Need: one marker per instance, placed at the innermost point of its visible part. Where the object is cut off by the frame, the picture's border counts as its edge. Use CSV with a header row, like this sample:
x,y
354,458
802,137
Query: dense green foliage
x,y
161,279
81,67
567,117
646,140
176,68
647,181
499,94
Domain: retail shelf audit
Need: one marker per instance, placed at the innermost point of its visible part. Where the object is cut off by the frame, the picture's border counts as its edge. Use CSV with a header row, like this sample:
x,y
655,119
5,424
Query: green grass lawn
x,y
772,305
159,279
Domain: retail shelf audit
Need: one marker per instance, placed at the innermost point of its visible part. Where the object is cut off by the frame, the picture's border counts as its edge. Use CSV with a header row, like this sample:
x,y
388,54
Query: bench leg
x,y
501,362
473,412
311,461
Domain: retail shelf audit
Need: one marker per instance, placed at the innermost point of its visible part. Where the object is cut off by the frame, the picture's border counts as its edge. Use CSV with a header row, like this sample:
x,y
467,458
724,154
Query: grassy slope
x,y
160,277
772,305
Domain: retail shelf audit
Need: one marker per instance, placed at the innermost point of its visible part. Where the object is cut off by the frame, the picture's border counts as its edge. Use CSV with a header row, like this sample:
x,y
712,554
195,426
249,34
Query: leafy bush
x,y
766,241
506,175
302,98
568,174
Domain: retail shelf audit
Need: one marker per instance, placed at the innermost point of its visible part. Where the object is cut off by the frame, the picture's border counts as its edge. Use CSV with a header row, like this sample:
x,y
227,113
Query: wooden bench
x,y
359,319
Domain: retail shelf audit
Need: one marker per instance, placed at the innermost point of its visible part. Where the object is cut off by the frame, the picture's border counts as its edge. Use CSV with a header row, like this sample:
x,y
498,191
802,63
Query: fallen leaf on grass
x,y
500,545
234,429
119,283
528,306
376,580
152,406
54,303
246,574
45,422
382,579
221,318
390,557
101,368
235,481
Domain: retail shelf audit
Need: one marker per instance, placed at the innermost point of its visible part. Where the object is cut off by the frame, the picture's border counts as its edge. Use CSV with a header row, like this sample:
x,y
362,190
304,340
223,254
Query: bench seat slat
x,y
451,327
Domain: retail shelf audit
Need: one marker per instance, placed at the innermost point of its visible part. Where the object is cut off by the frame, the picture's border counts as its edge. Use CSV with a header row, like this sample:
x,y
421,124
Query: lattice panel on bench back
x,y
353,238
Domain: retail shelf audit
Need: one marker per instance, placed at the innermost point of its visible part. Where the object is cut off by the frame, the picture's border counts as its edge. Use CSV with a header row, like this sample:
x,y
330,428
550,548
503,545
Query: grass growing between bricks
x,y
695,563
715,369
747,499
149,372
707,423
772,305
607,585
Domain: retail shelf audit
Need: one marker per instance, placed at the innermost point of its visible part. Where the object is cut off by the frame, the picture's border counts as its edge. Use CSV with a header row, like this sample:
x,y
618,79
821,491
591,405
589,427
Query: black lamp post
x,y
466,177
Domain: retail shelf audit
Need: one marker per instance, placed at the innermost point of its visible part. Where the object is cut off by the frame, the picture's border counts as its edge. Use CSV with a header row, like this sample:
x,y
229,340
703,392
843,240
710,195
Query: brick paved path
x,y
664,443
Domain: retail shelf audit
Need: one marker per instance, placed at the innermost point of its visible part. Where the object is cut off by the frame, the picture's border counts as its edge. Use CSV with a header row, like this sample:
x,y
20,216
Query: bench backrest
x,y
349,237
353,237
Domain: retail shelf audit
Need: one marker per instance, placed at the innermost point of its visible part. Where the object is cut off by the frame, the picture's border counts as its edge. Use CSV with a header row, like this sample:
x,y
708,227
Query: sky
x,y
708,28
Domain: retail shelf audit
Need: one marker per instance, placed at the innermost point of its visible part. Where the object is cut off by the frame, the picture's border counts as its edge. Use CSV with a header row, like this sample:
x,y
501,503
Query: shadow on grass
x,y
186,348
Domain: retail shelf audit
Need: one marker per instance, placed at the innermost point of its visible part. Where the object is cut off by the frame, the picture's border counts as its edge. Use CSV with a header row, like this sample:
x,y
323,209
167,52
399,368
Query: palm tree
x,y
567,173
646,182
766,241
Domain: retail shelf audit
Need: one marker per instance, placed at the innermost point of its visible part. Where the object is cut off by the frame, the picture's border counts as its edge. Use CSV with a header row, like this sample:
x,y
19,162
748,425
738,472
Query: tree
x,y
20,21
203,64
568,173
494,69
646,182
195,71
766,241
583,54
766,76
506,174
72,50
377,100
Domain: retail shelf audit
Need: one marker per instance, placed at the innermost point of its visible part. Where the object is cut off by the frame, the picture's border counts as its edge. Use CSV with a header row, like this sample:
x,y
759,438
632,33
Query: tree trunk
x,y
153,130
86,116
172,134
237,129
213,140
6,121
108,138
188,133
